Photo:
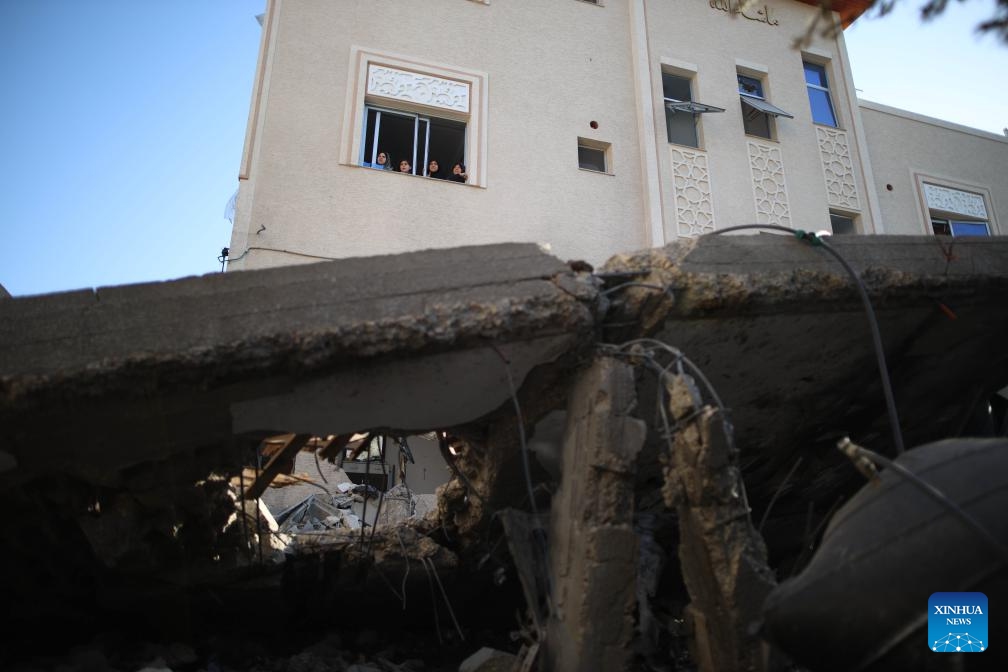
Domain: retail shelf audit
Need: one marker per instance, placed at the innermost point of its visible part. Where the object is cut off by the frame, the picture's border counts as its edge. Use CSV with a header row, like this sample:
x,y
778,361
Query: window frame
x,y
357,97
417,162
694,108
809,87
929,215
759,106
849,216
605,148
950,222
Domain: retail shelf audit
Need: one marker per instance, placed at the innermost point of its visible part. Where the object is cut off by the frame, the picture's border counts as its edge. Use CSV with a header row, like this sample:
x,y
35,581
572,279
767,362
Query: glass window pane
x,y
815,74
755,122
842,224
395,137
676,87
681,128
447,143
822,107
969,228
590,158
750,86
369,129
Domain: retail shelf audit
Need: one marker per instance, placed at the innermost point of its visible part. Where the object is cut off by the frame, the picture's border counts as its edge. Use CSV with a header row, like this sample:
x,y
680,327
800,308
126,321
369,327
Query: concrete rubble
x,y
602,504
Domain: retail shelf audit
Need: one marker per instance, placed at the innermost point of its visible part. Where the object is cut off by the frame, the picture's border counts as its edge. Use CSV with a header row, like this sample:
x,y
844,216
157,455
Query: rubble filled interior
x,y
564,485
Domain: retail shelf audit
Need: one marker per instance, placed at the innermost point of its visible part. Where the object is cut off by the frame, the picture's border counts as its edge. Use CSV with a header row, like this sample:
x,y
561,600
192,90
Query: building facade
x,y
595,127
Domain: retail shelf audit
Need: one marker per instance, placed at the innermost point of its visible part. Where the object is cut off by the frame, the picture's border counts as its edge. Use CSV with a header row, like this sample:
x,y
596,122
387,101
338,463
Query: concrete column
x,y
593,547
722,555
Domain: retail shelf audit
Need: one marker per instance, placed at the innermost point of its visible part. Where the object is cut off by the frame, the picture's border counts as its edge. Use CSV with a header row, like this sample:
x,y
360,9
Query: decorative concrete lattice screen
x,y
838,168
416,88
691,177
769,189
955,201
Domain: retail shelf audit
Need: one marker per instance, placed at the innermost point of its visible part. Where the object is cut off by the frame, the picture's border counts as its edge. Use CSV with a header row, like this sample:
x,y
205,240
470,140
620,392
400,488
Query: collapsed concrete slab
x,y
115,404
776,325
125,375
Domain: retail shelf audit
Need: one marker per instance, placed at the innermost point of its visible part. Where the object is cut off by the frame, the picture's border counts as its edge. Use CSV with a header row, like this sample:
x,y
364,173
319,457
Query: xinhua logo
x,y
957,622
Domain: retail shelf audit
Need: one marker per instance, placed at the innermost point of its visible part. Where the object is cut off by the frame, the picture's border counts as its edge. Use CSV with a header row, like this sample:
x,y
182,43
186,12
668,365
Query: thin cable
x,y
776,494
388,583
277,249
848,448
679,359
433,597
657,288
318,467
521,431
405,556
451,612
816,241
241,498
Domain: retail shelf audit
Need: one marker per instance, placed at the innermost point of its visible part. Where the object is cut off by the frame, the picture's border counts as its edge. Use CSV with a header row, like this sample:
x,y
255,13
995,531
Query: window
x,y
414,138
956,212
819,95
841,223
415,110
681,111
593,155
958,227
757,113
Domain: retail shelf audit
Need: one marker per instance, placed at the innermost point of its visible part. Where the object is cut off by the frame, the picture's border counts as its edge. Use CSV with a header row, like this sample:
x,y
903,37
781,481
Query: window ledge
x,y
423,177
596,172
689,147
838,128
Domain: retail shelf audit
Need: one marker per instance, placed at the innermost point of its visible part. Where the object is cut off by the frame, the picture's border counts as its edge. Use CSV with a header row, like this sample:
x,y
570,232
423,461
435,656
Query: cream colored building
x,y
595,127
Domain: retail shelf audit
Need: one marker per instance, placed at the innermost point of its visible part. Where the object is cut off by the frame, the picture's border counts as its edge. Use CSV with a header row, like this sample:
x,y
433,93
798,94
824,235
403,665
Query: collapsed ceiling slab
x,y
94,381
129,391
777,327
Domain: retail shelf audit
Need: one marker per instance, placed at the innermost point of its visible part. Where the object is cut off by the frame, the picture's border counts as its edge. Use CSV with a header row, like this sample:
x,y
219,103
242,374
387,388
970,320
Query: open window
x,y
415,138
758,114
959,227
414,110
842,223
681,111
952,211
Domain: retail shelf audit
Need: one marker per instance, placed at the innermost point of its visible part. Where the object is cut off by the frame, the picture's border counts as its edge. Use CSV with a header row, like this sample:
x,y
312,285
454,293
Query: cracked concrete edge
x,y
751,274
220,329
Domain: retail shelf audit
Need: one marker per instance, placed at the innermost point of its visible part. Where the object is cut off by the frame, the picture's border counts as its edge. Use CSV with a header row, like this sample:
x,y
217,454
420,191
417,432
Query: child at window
x,y
459,173
405,167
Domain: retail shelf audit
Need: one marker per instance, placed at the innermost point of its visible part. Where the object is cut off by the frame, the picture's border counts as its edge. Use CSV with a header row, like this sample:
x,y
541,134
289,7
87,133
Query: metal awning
x,y
763,106
690,106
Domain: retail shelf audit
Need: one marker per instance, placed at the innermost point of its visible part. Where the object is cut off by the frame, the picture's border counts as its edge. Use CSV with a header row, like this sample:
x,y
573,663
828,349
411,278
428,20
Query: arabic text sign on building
x,y
746,10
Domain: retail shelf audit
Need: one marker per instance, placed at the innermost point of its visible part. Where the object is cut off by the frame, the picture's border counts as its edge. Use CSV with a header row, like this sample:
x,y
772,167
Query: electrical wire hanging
x,y
643,350
817,241
854,452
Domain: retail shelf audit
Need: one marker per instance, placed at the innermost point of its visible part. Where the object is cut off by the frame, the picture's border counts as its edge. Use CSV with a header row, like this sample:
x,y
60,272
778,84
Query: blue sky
x,y
123,121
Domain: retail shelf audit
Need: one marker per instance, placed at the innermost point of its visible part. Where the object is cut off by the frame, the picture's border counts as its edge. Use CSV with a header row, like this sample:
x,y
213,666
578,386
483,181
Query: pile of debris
x,y
605,442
